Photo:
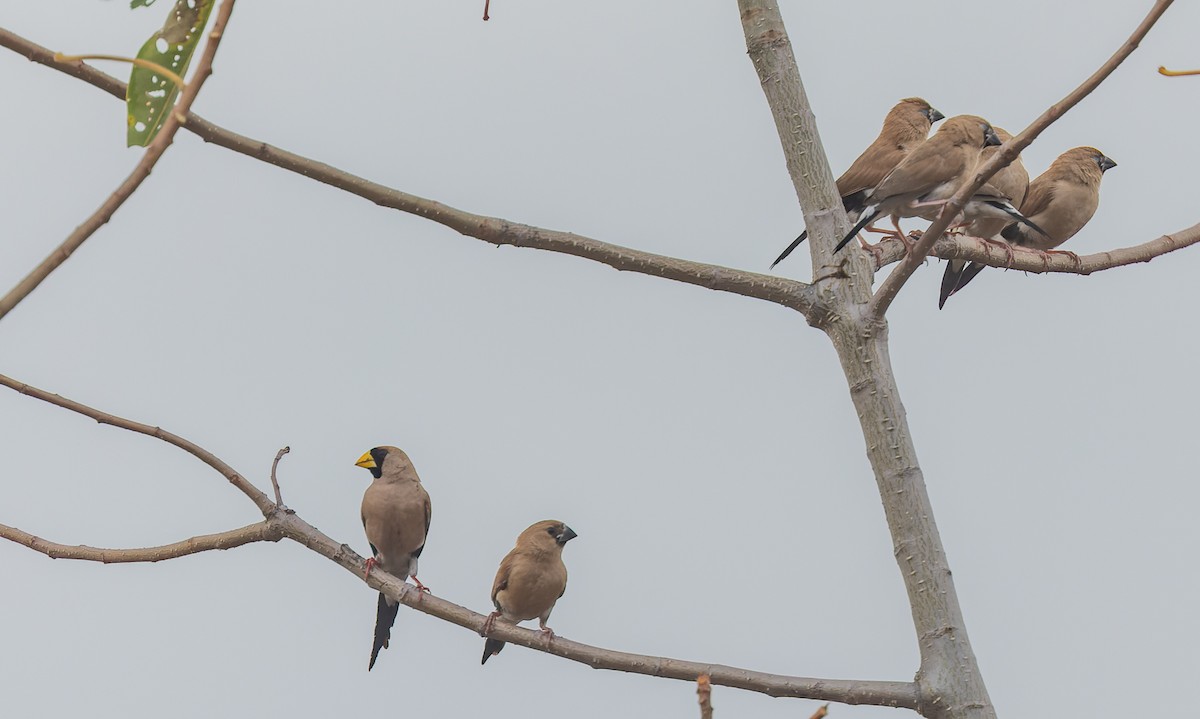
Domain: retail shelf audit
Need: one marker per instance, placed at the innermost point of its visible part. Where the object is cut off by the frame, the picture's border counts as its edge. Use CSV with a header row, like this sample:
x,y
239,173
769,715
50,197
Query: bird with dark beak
x,y
530,580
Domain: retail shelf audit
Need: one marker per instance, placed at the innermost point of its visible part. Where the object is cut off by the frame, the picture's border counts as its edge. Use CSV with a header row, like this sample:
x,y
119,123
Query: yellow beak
x,y
366,461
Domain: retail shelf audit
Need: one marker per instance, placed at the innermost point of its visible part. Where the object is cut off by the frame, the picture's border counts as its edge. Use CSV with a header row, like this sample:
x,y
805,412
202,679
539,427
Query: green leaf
x,y
135,4
151,95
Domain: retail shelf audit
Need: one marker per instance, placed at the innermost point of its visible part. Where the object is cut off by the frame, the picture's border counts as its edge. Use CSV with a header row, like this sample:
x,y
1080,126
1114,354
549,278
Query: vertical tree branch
x,y
771,52
126,189
704,692
949,680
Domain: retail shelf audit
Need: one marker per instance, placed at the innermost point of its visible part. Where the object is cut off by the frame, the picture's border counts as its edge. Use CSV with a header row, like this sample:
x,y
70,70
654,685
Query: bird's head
x,y
385,459
548,534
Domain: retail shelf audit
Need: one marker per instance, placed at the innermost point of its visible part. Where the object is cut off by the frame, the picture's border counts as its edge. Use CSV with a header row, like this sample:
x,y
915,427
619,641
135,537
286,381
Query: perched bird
x,y
930,173
905,126
395,515
1061,201
1010,183
530,580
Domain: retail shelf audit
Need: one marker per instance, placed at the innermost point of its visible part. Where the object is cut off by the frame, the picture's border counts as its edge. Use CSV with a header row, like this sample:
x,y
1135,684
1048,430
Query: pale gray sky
x,y
703,445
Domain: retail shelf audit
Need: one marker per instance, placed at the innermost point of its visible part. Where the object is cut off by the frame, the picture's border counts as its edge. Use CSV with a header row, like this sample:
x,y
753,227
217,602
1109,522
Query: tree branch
x,y
262,501
782,291
257,532
126,189
1026,260
288,524
879,693
1006,154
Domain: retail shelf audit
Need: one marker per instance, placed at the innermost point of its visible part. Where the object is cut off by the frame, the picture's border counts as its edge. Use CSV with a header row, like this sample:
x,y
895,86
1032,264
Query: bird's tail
x,y
968,274
491,647
795,243
950,280
385,616
869,214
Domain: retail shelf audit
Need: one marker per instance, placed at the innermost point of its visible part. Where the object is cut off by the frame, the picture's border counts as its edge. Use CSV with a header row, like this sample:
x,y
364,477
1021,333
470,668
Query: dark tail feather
x,y
968,274
863,221
385,616
1032,224
795,243
1013,213
950,280
491,647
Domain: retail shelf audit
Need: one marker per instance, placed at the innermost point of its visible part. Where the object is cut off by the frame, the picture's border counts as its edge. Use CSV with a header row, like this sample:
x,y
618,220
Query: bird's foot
x,y
548,633
488,623
875,250
421,587
1074,257
371,562
1007,248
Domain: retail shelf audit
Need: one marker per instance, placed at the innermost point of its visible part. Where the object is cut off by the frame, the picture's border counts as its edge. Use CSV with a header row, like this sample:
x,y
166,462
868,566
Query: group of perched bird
x,y
395,515
903,174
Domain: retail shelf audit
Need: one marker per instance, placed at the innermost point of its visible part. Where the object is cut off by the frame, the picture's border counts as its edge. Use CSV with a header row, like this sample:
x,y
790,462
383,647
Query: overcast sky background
x,y
703,445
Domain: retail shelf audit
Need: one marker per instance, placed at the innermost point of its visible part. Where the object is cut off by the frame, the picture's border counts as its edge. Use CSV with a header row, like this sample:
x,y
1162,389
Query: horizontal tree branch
x,y
131,183
257,532
262,501
1026,260
782,291
879,693
1006,154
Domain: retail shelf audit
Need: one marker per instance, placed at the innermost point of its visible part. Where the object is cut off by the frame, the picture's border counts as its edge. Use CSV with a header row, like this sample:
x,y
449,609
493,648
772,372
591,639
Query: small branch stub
x,y
704,691
821,712
274,480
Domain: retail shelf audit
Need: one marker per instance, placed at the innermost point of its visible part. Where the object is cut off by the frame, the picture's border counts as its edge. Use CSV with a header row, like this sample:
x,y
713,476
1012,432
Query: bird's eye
x,y
551,532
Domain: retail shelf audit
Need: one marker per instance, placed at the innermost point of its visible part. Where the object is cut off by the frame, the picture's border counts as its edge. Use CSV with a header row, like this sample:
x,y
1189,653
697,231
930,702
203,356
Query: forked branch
x,y
126,189
290,525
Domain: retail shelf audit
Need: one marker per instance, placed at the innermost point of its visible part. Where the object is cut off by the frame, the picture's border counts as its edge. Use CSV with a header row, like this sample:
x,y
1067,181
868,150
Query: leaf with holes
x,y
151,95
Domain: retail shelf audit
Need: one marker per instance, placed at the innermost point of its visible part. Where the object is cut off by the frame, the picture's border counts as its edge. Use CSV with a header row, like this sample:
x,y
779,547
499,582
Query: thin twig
x,y
782,291
704,690
262,501
257,532
274,481
1176,73
126,189
821,712
1006,154
138,61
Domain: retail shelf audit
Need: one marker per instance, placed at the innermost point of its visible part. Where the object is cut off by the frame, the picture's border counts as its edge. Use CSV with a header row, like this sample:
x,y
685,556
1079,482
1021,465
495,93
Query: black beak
x,y
567,535
934,116
1105,163
990,137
